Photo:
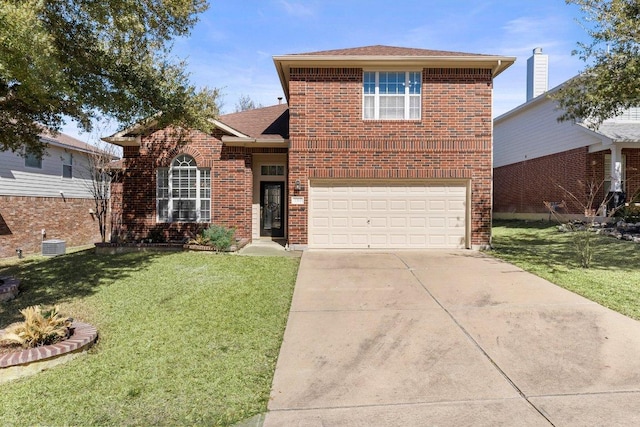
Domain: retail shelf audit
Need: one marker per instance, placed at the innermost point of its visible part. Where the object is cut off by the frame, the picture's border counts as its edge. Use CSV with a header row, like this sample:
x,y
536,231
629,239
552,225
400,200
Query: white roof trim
x,y
228,129
274,141
123,141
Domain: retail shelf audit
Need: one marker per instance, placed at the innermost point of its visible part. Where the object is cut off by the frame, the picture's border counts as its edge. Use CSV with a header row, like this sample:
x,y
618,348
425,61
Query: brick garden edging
x,y
118,248
35,359
8,288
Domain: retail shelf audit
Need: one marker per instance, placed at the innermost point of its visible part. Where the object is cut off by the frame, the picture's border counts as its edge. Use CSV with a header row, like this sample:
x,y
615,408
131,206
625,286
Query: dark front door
x,y
272,209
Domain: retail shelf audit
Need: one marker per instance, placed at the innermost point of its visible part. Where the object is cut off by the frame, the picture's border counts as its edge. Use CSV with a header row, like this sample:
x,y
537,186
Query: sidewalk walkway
x,y
448,339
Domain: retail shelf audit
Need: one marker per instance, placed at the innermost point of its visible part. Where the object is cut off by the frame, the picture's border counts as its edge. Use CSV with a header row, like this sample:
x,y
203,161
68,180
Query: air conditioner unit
x,y
53,247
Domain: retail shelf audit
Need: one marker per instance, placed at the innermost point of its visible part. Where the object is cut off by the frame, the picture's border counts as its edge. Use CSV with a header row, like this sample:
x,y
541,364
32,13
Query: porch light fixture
x,y
297,185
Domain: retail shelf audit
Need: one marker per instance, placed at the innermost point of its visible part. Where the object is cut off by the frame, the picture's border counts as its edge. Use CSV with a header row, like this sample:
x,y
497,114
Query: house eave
x,y
123,141
283,63
234,141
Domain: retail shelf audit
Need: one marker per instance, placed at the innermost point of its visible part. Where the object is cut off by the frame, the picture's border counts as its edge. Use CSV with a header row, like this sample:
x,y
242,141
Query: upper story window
x,y
183,192
392,95
67,165
33,161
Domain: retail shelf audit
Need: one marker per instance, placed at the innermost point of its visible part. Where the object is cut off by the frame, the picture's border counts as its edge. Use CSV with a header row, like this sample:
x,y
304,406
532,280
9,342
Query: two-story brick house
x,y
377,147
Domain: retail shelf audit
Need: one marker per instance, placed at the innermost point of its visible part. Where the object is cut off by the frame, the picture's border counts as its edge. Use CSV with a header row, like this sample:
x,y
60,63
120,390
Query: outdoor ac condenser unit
x,y
53,247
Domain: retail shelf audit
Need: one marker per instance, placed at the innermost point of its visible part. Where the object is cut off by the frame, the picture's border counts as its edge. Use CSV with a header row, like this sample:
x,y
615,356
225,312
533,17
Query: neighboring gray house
x,y
538,159
46,198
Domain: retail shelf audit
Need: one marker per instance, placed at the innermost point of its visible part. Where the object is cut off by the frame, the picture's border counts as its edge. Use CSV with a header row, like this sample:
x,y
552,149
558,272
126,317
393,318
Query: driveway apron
x,y
448,339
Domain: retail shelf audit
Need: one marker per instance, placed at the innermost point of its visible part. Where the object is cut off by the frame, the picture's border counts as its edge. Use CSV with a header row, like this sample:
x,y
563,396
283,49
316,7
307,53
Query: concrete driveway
x,y
448,339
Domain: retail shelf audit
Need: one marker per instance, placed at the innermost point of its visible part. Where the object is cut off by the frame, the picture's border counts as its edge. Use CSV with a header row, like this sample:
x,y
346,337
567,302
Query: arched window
x,y
183,192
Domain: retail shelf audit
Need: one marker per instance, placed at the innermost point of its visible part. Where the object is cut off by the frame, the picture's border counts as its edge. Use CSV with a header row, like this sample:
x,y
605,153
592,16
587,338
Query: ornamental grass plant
x,y
40,327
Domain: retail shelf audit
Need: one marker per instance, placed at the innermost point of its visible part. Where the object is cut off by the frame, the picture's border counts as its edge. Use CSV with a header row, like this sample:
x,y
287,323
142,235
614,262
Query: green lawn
x,y
613,279
185,338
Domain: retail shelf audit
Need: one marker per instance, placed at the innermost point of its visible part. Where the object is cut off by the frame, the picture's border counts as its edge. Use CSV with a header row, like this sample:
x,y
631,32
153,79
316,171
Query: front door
x,y
272,209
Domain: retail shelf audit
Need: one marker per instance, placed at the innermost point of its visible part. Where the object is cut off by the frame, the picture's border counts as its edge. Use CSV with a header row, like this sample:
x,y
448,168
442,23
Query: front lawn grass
x,y
185,338
613,279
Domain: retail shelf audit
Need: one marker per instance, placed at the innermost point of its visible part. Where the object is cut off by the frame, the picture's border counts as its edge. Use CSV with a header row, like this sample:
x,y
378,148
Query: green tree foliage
x,y
87,59
609,83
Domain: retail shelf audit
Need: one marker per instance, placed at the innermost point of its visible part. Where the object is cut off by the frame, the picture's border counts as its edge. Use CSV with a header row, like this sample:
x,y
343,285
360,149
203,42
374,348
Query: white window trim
x,y
377,95
67,162
198,199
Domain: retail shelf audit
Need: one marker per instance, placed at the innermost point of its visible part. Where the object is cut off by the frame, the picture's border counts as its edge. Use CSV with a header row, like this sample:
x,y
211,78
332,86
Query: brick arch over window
x,y
183,190
170,155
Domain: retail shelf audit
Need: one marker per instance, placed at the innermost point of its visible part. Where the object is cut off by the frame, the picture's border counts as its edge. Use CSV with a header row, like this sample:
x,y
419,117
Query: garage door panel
x,y
321,221
456,206
339,205
379,205
320,204
398,205
438,205
360,205
360,240
337,222
398,222
359,222
420,215
380,222
418,205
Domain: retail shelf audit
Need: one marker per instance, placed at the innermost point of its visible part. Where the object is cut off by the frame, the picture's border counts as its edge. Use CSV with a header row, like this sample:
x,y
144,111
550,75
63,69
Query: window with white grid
x,y
183,192
391,95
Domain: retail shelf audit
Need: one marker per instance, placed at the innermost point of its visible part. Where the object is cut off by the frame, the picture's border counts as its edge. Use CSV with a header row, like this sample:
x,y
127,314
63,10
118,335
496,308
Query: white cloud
x,y
296,9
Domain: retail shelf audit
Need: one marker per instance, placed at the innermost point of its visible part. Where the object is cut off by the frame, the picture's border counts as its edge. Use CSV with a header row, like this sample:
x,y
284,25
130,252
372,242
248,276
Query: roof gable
x,y
379,56
260,122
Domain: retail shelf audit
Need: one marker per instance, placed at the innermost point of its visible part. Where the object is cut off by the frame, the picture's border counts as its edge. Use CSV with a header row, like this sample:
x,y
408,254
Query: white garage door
x,y
387,216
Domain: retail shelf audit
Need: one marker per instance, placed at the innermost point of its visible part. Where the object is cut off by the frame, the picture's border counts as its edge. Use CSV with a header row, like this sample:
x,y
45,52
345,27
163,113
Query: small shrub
x,y
155,236
40,327
219,237
631,213
585,245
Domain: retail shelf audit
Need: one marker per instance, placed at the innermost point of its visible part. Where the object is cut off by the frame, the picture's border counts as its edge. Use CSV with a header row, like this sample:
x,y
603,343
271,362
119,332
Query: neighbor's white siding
x,y
533,131
631,115
18,180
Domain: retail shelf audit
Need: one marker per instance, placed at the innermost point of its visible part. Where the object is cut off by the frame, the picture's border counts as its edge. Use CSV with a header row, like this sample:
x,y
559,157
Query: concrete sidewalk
x,y
448,339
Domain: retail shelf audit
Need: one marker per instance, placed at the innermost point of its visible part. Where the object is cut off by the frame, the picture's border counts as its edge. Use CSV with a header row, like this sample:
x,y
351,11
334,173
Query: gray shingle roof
x,y
621,132
381,50
260,122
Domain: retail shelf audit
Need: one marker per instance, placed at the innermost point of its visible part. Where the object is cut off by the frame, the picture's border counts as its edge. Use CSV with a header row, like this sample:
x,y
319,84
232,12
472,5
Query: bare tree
x,y
99,172
246,103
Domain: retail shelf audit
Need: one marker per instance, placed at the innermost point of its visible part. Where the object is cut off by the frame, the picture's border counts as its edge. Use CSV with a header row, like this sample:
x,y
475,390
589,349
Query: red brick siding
x,y
329,138
632,185
522,187
231,183
23,218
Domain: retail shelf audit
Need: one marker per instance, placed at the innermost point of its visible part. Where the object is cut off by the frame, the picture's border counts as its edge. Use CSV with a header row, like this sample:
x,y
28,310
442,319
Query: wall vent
x,y
53,247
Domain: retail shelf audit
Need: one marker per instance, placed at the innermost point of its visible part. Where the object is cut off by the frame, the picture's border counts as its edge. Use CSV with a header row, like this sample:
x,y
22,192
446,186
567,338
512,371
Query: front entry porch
x,y
269,207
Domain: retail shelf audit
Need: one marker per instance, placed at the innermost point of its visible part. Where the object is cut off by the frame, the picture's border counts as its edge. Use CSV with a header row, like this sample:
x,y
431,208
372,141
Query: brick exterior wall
x,y
231,184
632,186
523,187
329,138
23,218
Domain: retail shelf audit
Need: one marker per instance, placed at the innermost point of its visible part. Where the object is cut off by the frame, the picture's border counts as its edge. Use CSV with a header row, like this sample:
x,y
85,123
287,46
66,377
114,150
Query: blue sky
x,y
232,46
